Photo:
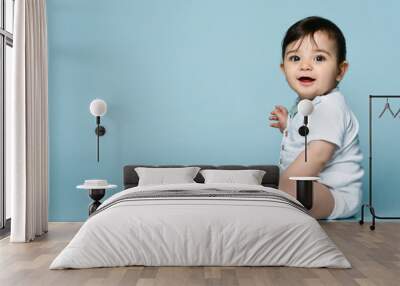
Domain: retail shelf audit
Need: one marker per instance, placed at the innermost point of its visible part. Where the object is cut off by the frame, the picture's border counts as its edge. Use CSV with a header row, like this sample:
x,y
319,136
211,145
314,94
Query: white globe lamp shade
x,y
98,107
305,107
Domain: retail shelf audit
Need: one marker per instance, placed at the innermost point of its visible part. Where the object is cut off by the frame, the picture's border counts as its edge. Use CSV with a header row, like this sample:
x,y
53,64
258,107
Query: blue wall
x,y
191,82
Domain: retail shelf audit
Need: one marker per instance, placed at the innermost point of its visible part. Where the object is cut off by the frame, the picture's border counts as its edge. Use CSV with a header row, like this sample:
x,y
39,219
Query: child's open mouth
x,y
305,80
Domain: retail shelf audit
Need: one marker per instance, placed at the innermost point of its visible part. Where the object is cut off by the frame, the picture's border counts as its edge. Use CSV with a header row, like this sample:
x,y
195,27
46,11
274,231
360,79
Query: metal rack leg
x,y
374,216
372,210
361,221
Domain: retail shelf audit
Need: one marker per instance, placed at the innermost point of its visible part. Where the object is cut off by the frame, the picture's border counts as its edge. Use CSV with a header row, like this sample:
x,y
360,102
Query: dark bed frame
x,y
270,179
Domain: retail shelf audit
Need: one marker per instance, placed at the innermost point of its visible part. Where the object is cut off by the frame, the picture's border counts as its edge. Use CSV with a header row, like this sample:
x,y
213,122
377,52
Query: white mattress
x,y
200,231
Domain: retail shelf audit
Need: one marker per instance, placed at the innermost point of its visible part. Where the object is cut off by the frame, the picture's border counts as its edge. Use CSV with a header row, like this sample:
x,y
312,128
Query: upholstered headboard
x,y
270,179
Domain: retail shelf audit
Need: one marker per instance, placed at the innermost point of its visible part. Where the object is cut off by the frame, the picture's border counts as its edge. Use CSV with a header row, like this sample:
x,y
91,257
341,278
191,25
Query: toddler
x,y
314,62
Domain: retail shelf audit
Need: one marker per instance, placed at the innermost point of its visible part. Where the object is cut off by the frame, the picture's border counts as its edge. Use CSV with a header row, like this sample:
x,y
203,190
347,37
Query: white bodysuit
x,y
331,121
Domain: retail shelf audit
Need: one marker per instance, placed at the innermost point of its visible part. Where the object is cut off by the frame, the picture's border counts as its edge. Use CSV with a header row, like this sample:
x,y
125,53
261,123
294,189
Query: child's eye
x,y
319,58
294,58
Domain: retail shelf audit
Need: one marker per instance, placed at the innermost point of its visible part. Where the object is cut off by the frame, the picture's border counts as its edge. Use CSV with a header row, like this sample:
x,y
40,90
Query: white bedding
x,y
200,231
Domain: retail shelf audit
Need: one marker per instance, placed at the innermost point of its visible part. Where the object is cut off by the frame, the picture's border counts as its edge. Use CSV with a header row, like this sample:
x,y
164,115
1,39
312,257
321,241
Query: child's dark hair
x,y
308,26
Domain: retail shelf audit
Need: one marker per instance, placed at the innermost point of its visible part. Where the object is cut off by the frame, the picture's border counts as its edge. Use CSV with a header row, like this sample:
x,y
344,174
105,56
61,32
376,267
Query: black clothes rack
x,y
370,202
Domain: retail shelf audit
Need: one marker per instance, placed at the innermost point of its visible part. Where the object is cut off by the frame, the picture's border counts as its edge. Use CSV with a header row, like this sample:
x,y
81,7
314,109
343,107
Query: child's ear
x,y
343,67
282,68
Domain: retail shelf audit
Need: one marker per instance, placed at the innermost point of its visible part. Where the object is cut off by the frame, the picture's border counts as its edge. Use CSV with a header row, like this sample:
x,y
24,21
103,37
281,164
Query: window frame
x,y
6,39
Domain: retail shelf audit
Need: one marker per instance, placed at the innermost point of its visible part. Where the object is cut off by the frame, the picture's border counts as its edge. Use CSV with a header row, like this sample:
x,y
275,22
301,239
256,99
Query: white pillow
x,y
164,176
248,177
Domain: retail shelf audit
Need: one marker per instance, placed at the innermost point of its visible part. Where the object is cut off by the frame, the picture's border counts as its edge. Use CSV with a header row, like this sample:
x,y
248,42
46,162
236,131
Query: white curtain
x,y
27,151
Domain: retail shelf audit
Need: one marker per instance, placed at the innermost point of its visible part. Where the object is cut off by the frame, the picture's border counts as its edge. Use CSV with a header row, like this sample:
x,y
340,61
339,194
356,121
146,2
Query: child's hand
x,y
279,115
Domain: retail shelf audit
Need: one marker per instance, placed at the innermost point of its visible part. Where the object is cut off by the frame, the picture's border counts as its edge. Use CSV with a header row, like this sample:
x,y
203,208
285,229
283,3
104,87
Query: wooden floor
x,y
374,255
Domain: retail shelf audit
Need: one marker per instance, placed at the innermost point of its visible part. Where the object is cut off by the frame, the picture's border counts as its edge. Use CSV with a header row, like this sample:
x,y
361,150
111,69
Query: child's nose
x,y
305,65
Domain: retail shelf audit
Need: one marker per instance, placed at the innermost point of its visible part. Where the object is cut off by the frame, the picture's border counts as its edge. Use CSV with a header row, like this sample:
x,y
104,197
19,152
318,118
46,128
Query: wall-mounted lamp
x,y
304,185
98,108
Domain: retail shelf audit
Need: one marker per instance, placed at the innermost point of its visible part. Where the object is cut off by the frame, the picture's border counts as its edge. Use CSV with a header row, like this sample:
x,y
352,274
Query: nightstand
x,y
304,190
97,190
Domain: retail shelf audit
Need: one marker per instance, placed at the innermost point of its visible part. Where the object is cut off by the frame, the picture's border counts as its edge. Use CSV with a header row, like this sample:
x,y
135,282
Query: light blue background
x,y
190,82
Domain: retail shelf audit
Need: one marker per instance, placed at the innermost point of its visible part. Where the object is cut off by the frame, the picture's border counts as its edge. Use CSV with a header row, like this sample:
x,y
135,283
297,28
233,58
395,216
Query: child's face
x,y
311,67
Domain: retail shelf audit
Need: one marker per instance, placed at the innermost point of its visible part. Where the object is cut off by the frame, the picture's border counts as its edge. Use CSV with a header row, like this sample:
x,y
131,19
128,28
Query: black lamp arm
x,y
303,131
100,131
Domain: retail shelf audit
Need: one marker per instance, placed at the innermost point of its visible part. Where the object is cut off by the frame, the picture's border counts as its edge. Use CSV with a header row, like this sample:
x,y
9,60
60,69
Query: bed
x,y
198,224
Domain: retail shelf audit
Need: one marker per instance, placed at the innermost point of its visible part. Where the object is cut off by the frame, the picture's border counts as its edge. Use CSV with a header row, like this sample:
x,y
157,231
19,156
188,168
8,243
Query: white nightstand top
x,y
304,178
96,187
96,184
